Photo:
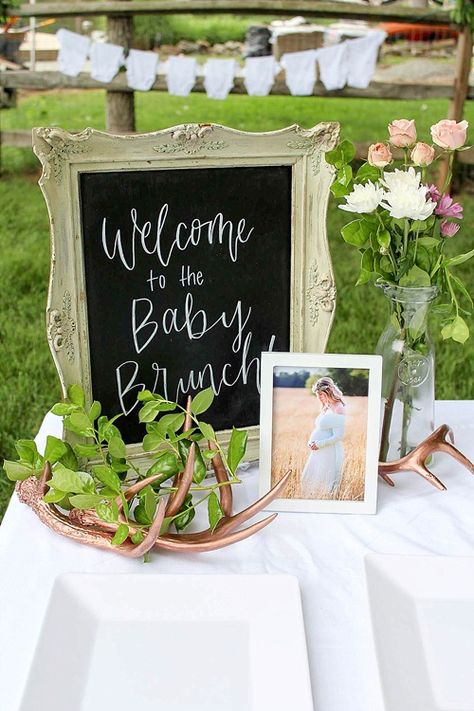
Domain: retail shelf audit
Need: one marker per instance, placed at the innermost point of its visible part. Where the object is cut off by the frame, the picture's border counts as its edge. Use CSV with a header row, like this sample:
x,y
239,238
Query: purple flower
x,y
433,193
448,208
448,228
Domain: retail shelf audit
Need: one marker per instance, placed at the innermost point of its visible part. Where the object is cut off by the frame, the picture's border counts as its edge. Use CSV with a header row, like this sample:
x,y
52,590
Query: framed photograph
x,y
320,418
179,256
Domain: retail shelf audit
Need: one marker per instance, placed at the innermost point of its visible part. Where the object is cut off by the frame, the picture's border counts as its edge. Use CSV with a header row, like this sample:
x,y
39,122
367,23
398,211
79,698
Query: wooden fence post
x,y
120,109
461,89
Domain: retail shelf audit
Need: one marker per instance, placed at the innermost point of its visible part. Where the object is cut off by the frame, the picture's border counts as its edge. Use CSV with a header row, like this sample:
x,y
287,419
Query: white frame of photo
x,y
373,364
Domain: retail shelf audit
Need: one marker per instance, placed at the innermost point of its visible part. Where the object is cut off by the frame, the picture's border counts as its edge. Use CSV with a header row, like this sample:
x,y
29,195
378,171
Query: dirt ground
x,y
294,412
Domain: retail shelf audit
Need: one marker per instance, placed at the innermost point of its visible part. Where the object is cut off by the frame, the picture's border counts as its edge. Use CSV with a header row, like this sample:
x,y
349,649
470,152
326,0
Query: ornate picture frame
x,y
65,156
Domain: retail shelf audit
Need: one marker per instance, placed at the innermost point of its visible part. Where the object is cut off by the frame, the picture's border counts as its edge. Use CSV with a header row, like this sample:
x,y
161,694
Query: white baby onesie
x,y
219,77
141,69
362,58
181,75
259,73
73,52
300,71
106,60
333,66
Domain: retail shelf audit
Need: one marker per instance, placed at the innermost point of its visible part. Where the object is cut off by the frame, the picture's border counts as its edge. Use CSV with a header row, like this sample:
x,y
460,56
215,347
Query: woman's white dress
x,y
323,469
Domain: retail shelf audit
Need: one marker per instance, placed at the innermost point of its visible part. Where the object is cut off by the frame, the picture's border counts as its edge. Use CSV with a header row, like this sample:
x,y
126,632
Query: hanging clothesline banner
x,y
350,63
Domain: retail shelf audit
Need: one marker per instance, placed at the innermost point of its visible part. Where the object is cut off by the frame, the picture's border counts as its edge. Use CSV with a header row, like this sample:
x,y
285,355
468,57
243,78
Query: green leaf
x,y
367,260
237,447
418,226
152,441
187,513
106,428
339,190
87,450
95,410
72,482
107,476
165,464
149,411
214,510
53,496
344,175
69,458
416,327
117,447
415,277
423,259
121,535
454,261
202,401
207,430
208,453
54,450
428,242
461,287
170,423
199,467
76,395
79,423
145,396
149,502
364,277
85,501
107,512
386,264
342,154
356,233
137,537
27,450
457,329
151,408
367,172
63,408
16,471
384,238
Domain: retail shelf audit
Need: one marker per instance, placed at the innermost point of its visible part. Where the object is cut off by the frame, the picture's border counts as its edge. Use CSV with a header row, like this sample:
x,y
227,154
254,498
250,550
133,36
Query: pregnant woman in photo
x,y
322,472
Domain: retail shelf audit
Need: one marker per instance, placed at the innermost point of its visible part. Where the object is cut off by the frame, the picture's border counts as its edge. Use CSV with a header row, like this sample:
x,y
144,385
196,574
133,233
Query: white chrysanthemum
x,y
408,202
363,198
394,180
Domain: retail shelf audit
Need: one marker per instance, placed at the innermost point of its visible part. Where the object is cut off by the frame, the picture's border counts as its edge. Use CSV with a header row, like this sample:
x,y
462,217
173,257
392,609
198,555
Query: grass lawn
x,y
29,384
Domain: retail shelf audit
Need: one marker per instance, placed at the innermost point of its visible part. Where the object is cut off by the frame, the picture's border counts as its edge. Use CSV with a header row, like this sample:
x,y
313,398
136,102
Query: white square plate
x,y
422,611
180,643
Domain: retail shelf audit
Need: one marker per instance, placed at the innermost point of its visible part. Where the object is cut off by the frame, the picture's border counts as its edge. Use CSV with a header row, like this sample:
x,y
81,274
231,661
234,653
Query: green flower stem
x,y
449,175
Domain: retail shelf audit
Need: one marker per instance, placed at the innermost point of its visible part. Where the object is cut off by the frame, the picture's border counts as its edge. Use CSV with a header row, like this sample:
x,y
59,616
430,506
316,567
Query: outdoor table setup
x,y
253,522
326,553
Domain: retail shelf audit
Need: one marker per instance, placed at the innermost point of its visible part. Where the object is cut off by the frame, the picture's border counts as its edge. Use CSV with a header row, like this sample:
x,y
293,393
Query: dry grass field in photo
x,y
294,412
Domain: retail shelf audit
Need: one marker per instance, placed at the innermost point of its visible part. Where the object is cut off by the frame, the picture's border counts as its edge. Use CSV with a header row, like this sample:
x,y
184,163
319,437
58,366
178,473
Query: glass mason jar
x,y
408,379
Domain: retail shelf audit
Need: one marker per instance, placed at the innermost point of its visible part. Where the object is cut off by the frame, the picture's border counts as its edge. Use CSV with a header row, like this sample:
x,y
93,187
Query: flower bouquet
x,y
402,227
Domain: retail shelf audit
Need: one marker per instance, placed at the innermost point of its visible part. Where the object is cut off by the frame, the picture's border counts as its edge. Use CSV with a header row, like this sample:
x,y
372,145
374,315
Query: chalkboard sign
x,y
179,256
188,281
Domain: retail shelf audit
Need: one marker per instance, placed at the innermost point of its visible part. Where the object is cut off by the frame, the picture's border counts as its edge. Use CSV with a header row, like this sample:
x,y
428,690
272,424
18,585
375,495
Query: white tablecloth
x,y
325,551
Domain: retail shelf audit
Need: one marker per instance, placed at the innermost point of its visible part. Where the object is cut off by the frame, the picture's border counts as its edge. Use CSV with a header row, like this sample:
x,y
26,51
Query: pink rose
x,y
422,154
379,155
446,207
402,133
449,229
449,134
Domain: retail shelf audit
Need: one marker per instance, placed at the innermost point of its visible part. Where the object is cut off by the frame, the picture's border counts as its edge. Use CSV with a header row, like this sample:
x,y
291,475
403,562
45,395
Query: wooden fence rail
x,y
308,8
23,79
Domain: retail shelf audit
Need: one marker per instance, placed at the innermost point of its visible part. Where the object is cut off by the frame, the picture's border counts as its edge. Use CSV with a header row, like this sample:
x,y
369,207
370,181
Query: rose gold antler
x,y
415,461
86,527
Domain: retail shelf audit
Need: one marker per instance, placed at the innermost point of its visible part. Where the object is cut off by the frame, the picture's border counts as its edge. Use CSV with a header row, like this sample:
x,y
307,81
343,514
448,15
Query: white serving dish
x,y
174,642
422,611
